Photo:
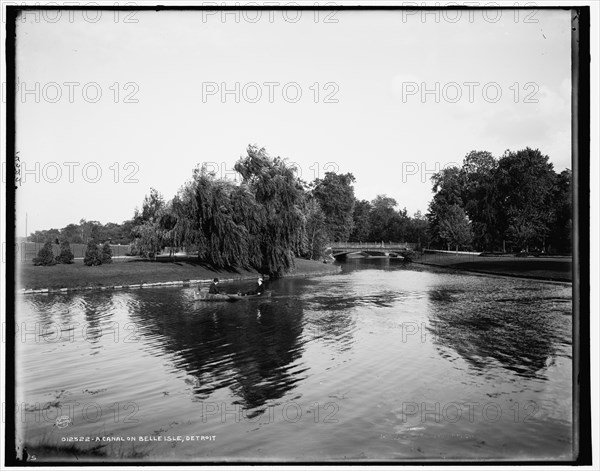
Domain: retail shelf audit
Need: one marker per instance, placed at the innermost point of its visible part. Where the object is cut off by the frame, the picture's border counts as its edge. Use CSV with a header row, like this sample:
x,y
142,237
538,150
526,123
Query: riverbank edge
x,y
497,273
324,269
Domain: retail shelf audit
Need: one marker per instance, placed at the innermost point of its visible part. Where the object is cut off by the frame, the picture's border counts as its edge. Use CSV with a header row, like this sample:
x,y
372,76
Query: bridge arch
x,y
391,249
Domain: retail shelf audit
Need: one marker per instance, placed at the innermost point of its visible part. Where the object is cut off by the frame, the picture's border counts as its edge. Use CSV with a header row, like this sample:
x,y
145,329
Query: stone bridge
x,y
388,249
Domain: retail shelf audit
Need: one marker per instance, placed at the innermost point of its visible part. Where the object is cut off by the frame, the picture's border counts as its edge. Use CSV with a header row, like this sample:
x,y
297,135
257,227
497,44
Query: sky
x,y
109,106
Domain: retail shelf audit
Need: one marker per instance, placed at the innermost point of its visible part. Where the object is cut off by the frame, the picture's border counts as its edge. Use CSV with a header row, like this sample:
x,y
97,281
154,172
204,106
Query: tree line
x,y
513,203
268,219
84,231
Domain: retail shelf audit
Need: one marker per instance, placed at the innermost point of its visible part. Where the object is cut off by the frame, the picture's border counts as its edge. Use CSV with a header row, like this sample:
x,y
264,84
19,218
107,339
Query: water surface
x,y
384,361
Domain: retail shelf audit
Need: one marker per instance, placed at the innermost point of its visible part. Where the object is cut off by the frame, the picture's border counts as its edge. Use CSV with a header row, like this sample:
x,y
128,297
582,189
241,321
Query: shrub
x,y
45,256
409,255
106,254
133,250
65,256
92,255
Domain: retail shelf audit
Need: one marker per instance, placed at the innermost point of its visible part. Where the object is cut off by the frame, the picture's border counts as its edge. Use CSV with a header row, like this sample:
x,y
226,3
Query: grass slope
x,y
140,271
543,268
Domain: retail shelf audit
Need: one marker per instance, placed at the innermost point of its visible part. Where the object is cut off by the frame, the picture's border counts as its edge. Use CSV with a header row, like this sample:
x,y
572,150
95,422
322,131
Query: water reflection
x,y
521,335
329,309
249,347
335,340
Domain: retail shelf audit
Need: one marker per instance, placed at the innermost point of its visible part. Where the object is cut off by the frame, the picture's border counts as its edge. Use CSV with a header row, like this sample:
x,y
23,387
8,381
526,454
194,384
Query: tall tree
x,y
71,233
448,188
151,206
479,196
361,217
316,229
279,195
90,230
384,220
126,233
525,182
46,235
335,195
223,237
455,229
148,240
560,232
417,230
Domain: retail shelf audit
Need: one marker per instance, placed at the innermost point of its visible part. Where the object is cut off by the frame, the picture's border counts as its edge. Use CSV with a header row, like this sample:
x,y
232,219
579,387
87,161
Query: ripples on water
x,y
383,361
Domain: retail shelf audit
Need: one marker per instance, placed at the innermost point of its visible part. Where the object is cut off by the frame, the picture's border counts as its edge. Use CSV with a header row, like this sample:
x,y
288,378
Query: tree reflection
x,y
518,334
63,313
248,346
328,310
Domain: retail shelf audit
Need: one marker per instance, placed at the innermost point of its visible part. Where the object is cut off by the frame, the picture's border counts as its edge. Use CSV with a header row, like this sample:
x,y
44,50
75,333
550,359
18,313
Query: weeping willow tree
x,y
248,213
219,219
280,197
258,223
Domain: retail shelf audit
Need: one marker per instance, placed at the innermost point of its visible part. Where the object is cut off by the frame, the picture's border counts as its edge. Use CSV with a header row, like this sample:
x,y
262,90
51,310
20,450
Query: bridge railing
x,y
374,245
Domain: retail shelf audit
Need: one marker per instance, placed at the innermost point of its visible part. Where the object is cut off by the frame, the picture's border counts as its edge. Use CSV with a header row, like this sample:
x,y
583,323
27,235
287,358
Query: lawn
x,y
137,271
544,268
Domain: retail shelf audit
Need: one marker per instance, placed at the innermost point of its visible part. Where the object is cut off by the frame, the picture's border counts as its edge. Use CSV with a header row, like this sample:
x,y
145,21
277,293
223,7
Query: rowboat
x,y
228,297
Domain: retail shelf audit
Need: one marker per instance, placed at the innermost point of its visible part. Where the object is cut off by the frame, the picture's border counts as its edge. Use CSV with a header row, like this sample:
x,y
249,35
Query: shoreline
x,y
551,269
139,274
499,274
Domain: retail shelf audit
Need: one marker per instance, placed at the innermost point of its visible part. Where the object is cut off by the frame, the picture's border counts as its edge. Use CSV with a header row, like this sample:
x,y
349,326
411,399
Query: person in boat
x,y
214,289
260,288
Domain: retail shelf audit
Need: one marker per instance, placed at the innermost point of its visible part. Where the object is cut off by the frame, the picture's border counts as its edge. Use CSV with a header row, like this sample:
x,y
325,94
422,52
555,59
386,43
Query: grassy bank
x,y
541,268
138,271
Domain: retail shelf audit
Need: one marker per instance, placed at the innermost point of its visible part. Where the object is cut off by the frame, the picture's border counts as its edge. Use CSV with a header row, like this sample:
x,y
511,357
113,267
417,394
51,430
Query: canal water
x,y
384,361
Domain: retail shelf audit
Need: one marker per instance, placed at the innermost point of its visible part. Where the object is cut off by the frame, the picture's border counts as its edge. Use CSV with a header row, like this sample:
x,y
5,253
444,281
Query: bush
x,y
92,255
65,256
409,255
45,256
133,250
106,255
